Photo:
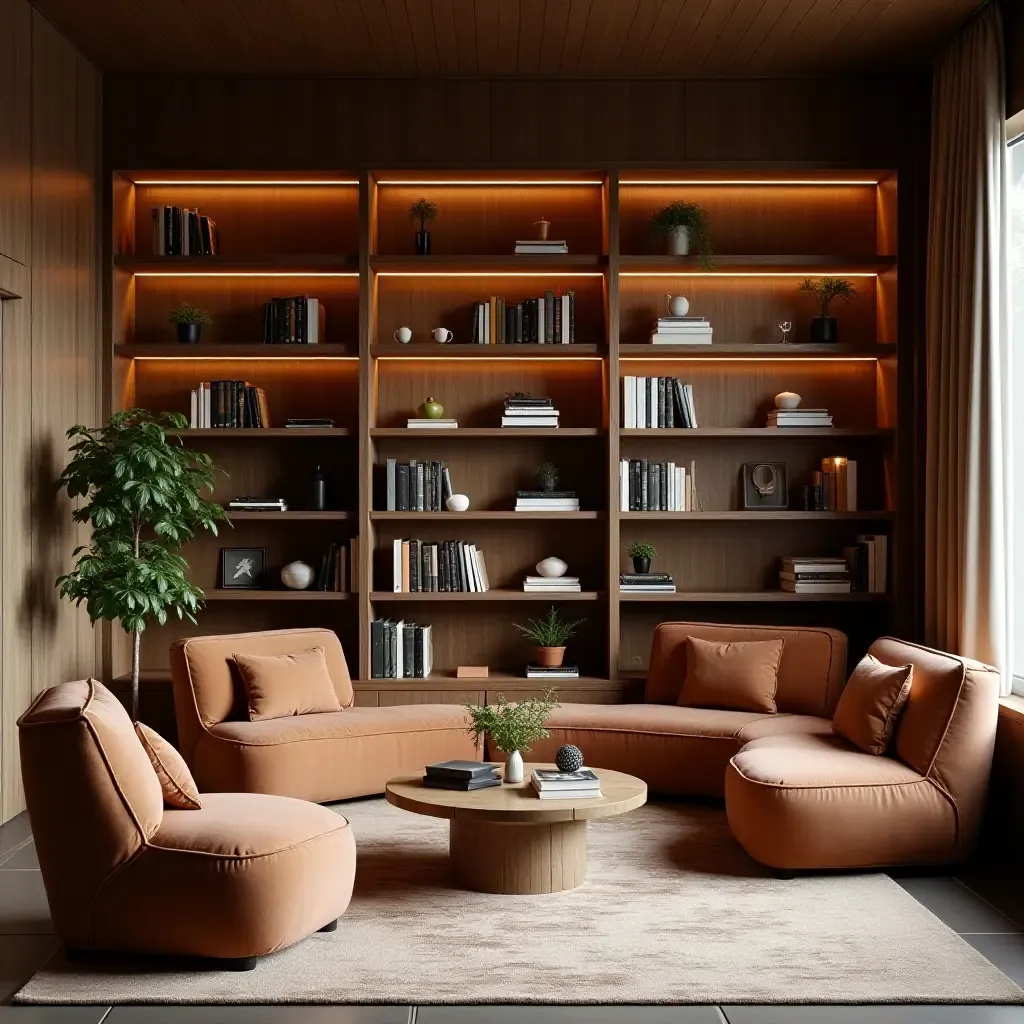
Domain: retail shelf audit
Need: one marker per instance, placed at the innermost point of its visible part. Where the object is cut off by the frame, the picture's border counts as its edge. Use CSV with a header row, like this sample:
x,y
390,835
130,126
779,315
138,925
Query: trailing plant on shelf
x,y
144,500
546,475
424,211
641,552
513,728
189,321
685,225
550,634
824,291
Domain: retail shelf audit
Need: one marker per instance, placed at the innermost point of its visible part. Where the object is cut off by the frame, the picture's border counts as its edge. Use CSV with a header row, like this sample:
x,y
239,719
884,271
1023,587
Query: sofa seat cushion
x,y
676,750
811,800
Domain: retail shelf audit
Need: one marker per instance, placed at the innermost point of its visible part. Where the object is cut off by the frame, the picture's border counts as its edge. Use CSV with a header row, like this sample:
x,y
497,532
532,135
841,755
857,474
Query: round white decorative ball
x,y
551,567
458,503
678,305
787,400
297,575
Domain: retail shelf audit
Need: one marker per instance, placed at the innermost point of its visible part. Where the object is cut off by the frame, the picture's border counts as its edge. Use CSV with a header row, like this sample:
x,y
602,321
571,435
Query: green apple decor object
x,y
431,410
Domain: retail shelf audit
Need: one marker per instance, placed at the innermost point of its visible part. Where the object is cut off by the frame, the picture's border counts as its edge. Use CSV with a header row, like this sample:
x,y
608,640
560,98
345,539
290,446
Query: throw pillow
x,y
739,676
282,685
871,704
176,780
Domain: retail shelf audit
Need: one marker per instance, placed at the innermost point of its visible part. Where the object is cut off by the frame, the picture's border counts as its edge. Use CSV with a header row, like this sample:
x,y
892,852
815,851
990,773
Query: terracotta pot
x,y
550,657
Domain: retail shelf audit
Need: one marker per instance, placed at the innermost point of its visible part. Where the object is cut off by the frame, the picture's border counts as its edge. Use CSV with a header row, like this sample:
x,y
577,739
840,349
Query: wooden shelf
x,y
501,515
554,433
772,433
749,597
297,516
261,434
274,595
490,595
754,352
761,263
497,265
299,265
173,350
767,515
431,350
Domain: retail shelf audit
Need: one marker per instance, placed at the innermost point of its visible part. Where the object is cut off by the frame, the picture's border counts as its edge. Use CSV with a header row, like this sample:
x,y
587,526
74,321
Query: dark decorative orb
x,y
569,758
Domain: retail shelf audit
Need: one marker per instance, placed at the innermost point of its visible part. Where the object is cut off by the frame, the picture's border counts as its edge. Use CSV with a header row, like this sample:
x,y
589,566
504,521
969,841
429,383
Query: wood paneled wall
x,y
51,374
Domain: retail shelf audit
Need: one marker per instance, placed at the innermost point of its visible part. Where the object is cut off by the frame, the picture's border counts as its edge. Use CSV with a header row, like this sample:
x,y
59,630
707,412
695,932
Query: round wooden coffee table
x,y
506,840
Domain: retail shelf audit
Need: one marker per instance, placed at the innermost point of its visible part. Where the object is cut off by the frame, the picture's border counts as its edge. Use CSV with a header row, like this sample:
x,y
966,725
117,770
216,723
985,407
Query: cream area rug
x,y
672,911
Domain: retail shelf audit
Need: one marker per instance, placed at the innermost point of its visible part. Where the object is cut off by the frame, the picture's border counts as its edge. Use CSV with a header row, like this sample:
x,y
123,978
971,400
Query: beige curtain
x,y
967,557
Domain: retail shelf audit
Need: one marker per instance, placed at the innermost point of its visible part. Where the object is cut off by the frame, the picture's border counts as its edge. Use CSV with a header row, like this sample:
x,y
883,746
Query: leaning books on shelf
x,y
551,784
815,576
298,320
524,410
547,320
464,775
309,423
547,501
868,562
551,585
799,418
178,231
400,650
547,672
648,486
657,402
228,404
646,583
446,566
334,573
681,330
416,486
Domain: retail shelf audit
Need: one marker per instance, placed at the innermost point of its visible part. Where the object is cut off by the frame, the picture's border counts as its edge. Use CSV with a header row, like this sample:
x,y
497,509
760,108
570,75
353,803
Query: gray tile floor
x,y
984,905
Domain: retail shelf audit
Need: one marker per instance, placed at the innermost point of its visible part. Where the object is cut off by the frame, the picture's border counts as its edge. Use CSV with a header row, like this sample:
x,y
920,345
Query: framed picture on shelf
x,y
764,485
242,568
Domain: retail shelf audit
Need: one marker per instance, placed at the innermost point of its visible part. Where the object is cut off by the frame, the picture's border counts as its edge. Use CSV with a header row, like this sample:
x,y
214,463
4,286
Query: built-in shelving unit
x,y
347,239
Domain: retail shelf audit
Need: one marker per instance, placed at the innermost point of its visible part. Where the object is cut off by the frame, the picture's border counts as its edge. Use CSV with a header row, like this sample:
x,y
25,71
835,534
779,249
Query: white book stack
x,y
815,576
681,330
551,585
551,784
541,246
547,501
799,418
418,423
527,411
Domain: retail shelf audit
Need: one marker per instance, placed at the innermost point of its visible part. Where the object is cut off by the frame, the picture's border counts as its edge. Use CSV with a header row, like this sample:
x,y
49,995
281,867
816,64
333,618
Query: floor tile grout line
x,y
963,885
106,1014
722,1019
14,851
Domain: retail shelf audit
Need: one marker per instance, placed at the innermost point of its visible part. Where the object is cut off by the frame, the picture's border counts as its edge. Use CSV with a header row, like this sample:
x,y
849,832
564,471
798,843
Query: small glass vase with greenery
x,y
513,728
550,635
189,320
424,211
824,291
641,552
685,226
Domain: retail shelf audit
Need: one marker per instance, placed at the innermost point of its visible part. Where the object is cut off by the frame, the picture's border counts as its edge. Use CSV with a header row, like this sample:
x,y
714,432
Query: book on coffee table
x,y
552,784
467,785
461,770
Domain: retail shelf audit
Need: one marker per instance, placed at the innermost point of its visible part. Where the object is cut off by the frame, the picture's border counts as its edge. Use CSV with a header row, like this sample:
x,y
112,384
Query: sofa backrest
x,y
811,674
947,728
93,797
208,689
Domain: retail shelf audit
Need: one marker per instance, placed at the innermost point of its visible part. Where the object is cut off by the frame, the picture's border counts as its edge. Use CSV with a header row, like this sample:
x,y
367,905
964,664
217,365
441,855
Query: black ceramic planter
x,y
824,330
641,565
188,334
422,243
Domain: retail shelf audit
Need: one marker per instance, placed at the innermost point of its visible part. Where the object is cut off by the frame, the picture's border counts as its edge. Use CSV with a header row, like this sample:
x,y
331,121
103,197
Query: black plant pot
x,y
824,330
422,243
642,565
188,334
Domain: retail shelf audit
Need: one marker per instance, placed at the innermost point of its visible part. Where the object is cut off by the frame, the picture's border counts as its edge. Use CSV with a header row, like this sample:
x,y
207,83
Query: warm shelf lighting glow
x,y
491,181
757,358
753,181
490,273
746,273
246,359
483,361
246,181
242,273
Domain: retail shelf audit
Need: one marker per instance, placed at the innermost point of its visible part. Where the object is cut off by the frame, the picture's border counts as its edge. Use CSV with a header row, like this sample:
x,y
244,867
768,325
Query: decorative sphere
x,y
787,400
297,575
458,503
678,305
551,567
569,758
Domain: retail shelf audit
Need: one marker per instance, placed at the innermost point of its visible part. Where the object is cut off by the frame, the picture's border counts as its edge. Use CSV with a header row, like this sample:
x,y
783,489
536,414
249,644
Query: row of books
x,y
656,402
446,566
416,486
229,404
547,501
681,330
334,573
868,561
400,650
646,583
799,418
649,486
548,320
551,585
522,410
178,231
834,488
298,320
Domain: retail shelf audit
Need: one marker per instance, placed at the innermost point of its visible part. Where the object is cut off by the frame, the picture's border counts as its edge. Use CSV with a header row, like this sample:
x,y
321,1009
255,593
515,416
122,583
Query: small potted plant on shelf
x,y
824,328
641,553
424,211
189,321
513,728
550,634
546,475
685,225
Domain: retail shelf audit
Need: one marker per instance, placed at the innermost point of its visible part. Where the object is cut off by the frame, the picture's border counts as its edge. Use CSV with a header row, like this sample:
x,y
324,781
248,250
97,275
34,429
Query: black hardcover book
x,y
409,649
240,403
662,414
572,317
402,488
549,316
389,659
442,567
425,568
545,494
677,391
418,652
195,239
377,649
670,403
644,507
205,236
518,323
414,567
636,490
435,783
462,770
449,561
652,488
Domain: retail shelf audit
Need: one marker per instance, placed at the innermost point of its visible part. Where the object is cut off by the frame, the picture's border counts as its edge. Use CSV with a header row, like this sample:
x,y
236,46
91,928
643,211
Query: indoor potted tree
x,y
513,728
685,225
144,500
189,321
424,211
824,328
641,553
549,634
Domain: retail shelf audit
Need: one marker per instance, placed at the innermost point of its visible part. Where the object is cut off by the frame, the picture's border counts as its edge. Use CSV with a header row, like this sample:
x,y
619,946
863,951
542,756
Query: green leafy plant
x,y
642,549
824,289
516,726
144,501
183,313
691,216
546,475
550,631
424,211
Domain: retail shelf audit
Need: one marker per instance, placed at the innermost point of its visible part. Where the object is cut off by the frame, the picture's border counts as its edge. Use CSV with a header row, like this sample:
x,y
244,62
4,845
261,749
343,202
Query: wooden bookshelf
x,y
346,238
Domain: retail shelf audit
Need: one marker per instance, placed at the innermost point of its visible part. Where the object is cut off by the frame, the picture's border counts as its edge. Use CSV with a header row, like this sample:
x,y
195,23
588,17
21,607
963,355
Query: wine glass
x,y
784,328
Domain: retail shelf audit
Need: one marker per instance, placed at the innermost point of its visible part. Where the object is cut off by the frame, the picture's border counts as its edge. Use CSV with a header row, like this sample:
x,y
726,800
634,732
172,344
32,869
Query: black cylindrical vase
x,y
422,243
824,330
641,565
188,334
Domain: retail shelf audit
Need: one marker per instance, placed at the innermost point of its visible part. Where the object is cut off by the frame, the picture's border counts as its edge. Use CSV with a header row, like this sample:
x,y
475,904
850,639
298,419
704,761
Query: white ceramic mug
x,y
403,335
442,335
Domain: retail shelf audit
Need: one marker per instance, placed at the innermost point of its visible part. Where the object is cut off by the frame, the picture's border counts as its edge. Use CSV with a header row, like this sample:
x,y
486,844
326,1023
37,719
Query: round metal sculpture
x,y
569,758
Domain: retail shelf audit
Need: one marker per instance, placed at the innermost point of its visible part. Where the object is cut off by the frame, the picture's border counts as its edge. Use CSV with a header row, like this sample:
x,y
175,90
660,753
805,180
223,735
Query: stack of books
x,y
815,576
681,330
400,650
540,246
183,232
464,775
551,585
548,672
228,404
249,503
526,411
649,486
421,423
444,567
547,501
868,561
551,784
547,320
309,423
799,418
657,402
416,486
299,320
646,583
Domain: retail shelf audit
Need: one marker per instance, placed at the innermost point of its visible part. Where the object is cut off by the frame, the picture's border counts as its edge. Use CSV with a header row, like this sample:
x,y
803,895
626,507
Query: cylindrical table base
x,y
518,858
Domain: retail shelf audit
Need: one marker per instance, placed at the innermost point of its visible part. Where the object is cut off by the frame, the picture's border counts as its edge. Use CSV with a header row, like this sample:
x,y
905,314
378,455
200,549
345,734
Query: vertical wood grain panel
x,y
15,129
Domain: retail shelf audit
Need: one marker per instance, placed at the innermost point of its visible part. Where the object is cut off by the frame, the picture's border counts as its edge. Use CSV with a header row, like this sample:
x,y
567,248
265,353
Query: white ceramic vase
x,y
457,503
551,567
678,305
679,242
787,400
514,767
297,575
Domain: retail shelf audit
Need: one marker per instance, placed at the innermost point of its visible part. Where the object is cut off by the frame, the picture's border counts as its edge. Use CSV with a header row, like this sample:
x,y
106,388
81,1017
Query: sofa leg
x,y
331,927
783,874
241,963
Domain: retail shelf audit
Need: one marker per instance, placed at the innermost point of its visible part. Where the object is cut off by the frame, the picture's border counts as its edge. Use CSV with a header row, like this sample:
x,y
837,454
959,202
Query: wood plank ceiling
x,y
507,37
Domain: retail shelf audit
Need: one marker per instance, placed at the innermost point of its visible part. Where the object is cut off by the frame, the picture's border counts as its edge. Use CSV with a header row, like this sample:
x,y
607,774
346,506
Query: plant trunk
x,y
136,647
